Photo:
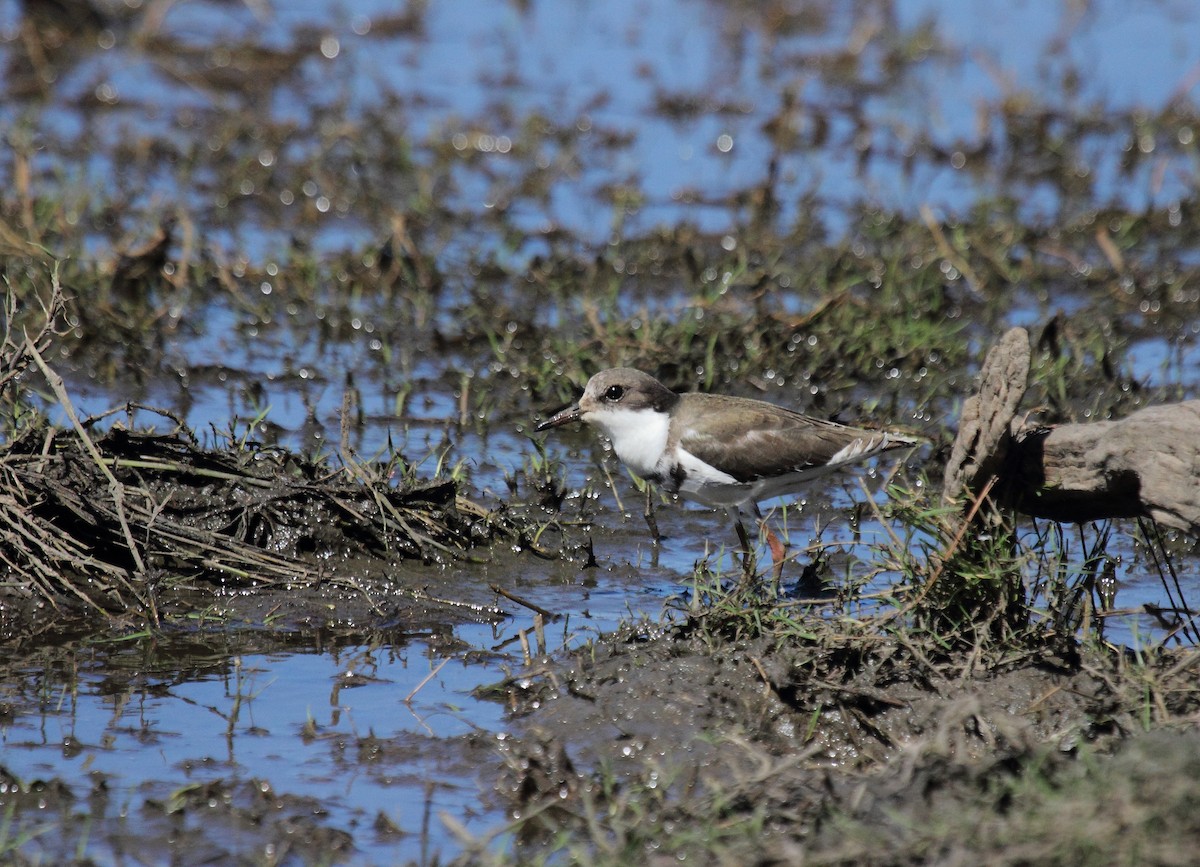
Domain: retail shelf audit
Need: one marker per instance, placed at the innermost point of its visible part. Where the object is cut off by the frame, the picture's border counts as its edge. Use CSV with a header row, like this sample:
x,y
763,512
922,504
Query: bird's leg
x,y
778,555
749,563
648,514
778,549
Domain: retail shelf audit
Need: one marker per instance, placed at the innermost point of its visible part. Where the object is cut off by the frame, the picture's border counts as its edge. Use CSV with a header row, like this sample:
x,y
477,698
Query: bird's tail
x,y
872,443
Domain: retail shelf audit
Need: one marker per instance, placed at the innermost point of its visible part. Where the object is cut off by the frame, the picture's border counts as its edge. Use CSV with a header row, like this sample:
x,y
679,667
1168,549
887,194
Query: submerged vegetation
x,y
931,654
319,356
928,655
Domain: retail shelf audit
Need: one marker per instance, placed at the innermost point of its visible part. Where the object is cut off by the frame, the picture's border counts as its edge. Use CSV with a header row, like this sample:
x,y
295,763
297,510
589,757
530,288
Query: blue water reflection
x,y
687,102
480,70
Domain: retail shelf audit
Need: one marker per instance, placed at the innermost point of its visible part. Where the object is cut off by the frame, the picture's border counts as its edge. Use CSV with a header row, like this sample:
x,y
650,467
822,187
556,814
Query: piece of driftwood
x,y
1144,466
984,433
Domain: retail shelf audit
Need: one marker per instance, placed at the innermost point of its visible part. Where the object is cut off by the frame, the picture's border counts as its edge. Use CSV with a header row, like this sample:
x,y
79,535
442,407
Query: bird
x,y
719,450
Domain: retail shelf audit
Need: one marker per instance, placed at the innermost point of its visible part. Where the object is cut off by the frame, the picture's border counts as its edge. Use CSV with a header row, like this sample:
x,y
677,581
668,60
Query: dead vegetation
x,y
108,517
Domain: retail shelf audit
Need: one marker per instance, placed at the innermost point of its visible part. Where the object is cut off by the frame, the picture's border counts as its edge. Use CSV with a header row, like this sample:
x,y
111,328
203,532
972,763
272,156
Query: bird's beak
x,y
567,416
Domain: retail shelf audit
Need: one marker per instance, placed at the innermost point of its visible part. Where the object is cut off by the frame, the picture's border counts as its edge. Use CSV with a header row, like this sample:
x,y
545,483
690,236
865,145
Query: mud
x,y
137,525
321,270
847,748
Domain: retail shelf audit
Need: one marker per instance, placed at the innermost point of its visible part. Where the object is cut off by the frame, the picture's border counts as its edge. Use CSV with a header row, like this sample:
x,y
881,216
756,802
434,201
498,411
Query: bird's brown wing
x,y
757,442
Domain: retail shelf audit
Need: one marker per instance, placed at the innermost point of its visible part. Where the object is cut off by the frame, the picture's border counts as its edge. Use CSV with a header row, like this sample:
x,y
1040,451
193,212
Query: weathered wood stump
x,y
1143,466
985,430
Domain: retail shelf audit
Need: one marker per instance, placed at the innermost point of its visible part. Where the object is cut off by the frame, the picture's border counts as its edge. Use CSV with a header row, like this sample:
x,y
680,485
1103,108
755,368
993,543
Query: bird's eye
x,y
614,393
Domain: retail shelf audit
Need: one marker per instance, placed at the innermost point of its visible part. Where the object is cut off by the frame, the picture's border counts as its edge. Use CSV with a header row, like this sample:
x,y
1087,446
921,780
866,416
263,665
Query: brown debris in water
x,y
251,518
112,520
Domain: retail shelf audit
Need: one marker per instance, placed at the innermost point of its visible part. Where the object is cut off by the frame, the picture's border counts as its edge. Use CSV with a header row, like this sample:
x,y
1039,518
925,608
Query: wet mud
x,y
849,747
287,288
243,518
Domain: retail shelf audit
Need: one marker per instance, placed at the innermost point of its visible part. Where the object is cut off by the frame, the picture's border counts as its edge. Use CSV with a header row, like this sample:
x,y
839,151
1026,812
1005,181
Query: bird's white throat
x,y
639,436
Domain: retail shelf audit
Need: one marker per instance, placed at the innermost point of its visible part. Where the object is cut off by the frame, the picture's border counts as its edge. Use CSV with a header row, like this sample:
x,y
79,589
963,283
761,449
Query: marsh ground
x,y
339,261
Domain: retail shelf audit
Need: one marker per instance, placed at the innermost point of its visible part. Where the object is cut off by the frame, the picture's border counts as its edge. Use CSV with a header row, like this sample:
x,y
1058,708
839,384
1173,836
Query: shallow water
x,y
470,73
671,100
388,729
387,734
298,726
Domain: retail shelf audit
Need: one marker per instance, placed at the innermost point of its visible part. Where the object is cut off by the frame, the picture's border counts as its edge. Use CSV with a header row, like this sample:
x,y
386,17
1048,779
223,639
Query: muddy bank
x,y
111,519
843,745
821,739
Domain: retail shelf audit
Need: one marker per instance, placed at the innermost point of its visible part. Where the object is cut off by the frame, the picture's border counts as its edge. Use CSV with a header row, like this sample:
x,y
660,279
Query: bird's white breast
x,y
639,436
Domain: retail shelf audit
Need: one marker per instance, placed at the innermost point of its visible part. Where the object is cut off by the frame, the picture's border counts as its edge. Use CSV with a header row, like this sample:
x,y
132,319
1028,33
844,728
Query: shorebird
x,y
722,451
